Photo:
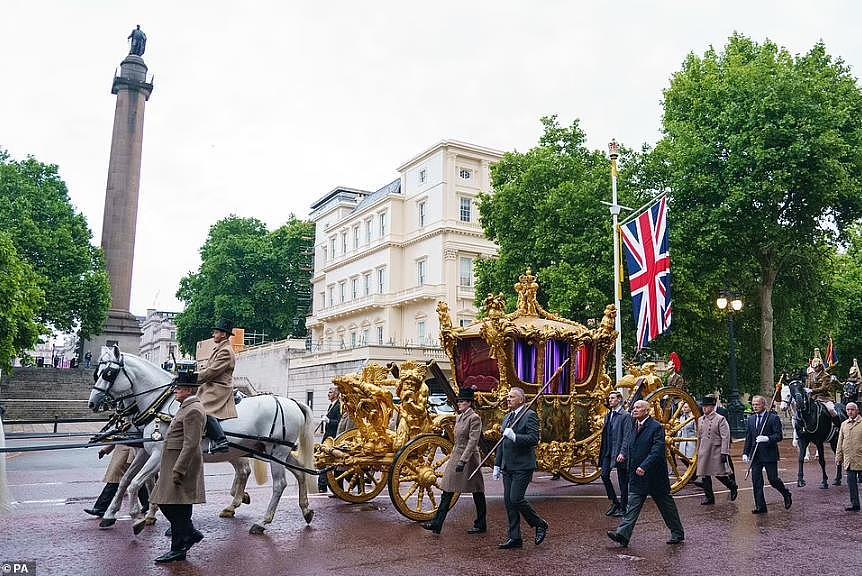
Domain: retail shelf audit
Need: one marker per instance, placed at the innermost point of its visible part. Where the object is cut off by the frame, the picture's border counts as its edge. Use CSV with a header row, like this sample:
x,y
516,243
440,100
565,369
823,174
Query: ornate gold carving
x,y
413,408
527,288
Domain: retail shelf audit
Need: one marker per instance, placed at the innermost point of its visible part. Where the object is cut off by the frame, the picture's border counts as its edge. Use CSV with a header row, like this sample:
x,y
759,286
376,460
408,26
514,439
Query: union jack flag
x,y
646,248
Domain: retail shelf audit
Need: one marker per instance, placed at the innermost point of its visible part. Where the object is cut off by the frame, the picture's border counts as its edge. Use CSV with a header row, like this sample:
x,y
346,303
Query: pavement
x,y
47,527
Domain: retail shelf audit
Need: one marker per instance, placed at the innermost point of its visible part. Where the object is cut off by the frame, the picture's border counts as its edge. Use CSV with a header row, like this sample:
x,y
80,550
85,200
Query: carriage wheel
x,y
414,480
586,469
356,483
666,407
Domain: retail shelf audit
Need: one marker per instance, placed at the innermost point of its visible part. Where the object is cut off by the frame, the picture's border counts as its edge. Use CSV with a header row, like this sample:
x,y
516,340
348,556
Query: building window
x,y
465,173
332,295
465,276
421,214
367,280
325,254
355,288
420,329
323,299
421,272
464,322
341,290
332,246
369,225
382,218
364,336
381,280
466,210
353,339
344,242
309,399
356,237
423,175
380,334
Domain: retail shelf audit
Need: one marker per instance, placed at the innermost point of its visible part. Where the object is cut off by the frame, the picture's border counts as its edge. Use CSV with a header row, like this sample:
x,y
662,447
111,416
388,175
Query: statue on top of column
x,y
138,41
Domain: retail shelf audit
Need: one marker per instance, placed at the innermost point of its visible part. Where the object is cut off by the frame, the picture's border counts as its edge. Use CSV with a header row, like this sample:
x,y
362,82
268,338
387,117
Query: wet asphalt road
x,y
48,527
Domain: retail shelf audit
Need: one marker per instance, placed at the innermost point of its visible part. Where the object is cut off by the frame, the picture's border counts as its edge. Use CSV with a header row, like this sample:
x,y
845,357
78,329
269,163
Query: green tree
x,y
49,235
762,151
20,299
847,284
259,280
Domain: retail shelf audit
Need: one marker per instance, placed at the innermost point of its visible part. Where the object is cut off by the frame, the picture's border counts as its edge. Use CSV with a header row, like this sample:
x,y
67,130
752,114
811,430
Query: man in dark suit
x,y
761,448
614,451
330,422
516,460
648,477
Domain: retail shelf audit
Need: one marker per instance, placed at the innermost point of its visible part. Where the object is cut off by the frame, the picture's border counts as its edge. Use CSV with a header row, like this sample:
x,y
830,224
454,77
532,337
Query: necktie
x,y
758,423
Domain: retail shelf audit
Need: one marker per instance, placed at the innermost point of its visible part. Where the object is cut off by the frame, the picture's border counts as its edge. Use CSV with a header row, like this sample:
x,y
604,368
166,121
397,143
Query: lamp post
x,y
614,153
732,303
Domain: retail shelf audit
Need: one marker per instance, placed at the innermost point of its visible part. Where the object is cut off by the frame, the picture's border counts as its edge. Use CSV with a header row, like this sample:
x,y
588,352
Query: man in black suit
x,y
330,423
648,477
761,447
516,460
615,432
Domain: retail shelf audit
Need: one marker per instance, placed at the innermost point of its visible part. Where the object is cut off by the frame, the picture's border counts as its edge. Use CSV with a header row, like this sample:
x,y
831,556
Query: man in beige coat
x,y
849,452
181,474
713,451
463,460
216,386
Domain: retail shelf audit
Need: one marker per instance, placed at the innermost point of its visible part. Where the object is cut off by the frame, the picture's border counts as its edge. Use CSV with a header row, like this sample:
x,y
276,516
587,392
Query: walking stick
x,y
553,380
760,432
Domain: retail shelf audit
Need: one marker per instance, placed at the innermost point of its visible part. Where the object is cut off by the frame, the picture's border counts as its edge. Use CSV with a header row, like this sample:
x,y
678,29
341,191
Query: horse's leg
x,y
307,513
821,458
279,483
110,516
145,476
803,451
241,472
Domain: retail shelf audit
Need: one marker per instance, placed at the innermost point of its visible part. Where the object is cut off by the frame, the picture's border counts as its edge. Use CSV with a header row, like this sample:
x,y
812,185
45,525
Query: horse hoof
x,y
255,529
837,482
800,482
246,499
139,526
149,520
309,516
824,486
227,513
107,522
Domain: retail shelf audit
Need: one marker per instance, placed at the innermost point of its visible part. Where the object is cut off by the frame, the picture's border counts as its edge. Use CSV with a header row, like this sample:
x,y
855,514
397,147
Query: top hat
x,y
225,326
466,394
708,400
187,379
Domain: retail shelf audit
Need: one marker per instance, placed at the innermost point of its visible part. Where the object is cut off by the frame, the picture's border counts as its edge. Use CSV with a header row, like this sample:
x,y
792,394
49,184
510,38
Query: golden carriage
x,y
522,349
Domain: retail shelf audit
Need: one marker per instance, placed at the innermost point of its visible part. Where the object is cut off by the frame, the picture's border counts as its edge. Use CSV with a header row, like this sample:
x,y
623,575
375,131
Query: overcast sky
x,y
260,107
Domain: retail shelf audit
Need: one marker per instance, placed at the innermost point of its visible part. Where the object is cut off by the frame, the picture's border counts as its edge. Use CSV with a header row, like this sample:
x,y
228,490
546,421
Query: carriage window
x,y
474,365
557,352
525,361
582,364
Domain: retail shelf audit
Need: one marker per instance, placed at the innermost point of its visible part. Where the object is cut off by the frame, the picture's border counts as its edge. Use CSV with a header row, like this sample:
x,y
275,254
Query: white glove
x,y
745,458
496,473
509,433
324,419
762,438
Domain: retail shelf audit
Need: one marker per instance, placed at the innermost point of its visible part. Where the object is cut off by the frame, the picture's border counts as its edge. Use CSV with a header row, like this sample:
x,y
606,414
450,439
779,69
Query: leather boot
x,y
708,494
480,526
104,500
437,524
218,442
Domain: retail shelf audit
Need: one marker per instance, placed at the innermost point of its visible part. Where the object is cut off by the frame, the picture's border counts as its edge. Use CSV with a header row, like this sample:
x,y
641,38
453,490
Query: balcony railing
x,y
362,303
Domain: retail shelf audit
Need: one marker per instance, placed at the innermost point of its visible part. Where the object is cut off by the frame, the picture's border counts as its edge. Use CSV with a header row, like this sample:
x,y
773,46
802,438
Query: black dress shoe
x,y
477,530
94,512
196,537
759,511
676,540
788,500
852,509
172,556
618,538
431,527
614,507
509,544
541,532
734,492
619,512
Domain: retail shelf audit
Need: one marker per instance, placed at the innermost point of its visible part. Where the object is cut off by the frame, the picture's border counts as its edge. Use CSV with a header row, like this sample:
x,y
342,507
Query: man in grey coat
x,y
713,452
614,452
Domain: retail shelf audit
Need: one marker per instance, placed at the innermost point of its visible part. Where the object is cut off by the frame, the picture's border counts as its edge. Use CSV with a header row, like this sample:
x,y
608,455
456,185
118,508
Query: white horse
x,y
126,379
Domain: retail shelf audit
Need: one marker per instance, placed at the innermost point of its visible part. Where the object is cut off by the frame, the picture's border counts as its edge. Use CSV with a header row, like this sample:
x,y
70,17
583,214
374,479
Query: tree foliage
x,y
20,300
847,285
54,240
257,279
762,152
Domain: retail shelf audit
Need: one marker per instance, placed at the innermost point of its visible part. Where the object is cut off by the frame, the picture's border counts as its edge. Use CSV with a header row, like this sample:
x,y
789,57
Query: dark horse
x,y
813,426
851,392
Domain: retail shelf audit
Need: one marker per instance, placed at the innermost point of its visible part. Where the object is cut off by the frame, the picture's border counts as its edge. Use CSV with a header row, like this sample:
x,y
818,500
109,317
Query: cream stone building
x,y
159,338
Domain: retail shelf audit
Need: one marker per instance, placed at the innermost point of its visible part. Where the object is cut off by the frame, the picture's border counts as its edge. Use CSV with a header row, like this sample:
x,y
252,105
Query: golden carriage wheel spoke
x,y
419,496
440,462
680,425
431,498
673,464
679,453
676,412
412,490
343,475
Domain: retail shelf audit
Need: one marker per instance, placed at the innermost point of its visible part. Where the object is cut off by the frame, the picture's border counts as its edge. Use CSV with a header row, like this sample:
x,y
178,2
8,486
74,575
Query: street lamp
x,y
732,303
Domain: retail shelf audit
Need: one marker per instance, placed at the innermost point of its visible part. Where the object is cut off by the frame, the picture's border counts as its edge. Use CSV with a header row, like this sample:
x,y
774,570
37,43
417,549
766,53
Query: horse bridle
x,y
109,375
803,406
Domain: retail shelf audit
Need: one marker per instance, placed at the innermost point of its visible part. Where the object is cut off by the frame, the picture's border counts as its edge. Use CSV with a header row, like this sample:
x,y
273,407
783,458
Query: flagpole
x,y
614,149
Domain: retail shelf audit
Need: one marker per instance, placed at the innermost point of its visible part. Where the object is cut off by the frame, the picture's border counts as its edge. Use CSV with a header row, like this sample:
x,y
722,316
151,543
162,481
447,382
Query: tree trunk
x,y
767,352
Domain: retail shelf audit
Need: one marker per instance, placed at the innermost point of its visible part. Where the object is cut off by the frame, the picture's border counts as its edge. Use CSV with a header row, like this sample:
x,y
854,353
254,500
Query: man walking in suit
x,y
330,423
618,425
761,447
516,460
648,477
181,473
